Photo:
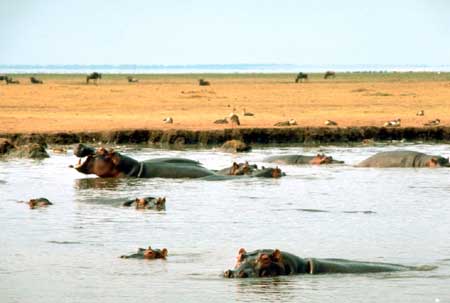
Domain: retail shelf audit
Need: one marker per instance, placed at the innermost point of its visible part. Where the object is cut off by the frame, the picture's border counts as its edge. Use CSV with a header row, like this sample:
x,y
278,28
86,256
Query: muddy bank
x,y
298,135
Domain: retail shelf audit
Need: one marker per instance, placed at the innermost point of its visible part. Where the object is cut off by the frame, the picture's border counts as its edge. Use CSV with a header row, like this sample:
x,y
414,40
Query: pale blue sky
x,y
224,32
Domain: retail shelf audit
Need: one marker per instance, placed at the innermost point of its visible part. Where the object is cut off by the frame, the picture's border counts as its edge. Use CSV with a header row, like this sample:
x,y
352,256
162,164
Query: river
x,y
69,252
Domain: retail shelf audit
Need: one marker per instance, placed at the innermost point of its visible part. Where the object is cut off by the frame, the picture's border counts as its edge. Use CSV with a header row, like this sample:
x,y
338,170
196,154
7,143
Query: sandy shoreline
x,y
64,103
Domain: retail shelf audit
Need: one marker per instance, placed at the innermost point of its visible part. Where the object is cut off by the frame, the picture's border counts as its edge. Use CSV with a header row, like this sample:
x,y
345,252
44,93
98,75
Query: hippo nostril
x,y
227,274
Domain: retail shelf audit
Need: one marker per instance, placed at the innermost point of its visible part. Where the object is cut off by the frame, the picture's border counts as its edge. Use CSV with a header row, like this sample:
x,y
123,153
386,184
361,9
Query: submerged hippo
x,y
147,203
148,253
109,164
246,169
273,262
39,202
404,158
302,159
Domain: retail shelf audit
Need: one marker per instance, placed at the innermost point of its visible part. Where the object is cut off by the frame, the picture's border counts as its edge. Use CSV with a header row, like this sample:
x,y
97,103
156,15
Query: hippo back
x,y
401,158
289,159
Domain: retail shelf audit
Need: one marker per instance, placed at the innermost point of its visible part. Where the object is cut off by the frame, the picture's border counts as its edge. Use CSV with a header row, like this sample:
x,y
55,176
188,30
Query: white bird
x,y
168,120
393,123
434,122
292,122
330,123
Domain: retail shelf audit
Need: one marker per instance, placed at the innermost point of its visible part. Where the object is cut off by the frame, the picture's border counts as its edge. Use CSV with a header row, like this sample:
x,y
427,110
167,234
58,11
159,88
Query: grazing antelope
x,y
35,80
329,74
94,76
420,113
300,77
434,122
202,82
393,123
10,80
330,123
132,80
168,120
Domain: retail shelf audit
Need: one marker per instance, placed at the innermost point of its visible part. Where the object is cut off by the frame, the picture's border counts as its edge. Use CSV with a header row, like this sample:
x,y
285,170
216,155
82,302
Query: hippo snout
x,y
82,150
228,274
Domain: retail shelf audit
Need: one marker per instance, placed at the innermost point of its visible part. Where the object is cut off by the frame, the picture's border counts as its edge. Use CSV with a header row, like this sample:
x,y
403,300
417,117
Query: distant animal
x,y
168,120
93,76
330,123
300,77
393,123
234,119
132,80
202,82
35,81
290,122
3,78
246,113
329,74
434,122
221,121
10,80
420,113
39,202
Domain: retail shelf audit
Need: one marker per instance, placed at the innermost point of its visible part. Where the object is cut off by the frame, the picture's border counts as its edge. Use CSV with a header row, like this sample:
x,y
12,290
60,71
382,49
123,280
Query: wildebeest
x,y
329,74
301,76
202,82
35,81
93,76
10,80
132,80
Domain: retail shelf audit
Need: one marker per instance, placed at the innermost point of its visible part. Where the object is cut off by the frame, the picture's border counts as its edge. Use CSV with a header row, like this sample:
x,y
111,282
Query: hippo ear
x,y
242,251
276,255
164,252
101,151
115,158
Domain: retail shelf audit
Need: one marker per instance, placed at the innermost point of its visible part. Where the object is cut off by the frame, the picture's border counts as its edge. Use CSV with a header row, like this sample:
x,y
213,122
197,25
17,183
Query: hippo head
x,y
260,263
155,203
39,202
277,173
102,162
151,253
320,159
437,161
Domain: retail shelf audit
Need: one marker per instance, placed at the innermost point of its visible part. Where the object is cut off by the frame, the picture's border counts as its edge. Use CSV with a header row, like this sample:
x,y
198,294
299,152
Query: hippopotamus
x,y
111,164
33,150
147,253
404,158
273,262
318,159
39,202
106,164
246,169
147,203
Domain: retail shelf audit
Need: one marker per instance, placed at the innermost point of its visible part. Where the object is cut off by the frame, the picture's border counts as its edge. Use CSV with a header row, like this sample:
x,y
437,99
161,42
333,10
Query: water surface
x,y
70,251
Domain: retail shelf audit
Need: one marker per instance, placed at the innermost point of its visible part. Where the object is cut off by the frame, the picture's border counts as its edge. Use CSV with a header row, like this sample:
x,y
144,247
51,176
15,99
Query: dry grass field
x,y
66,103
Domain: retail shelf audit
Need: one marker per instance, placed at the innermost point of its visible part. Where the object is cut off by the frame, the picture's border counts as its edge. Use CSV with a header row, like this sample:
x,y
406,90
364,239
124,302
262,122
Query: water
x,y
69,252
216,68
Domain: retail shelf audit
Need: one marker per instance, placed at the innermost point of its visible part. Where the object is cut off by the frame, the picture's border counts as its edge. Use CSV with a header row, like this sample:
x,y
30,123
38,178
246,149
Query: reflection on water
x,y
71,249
